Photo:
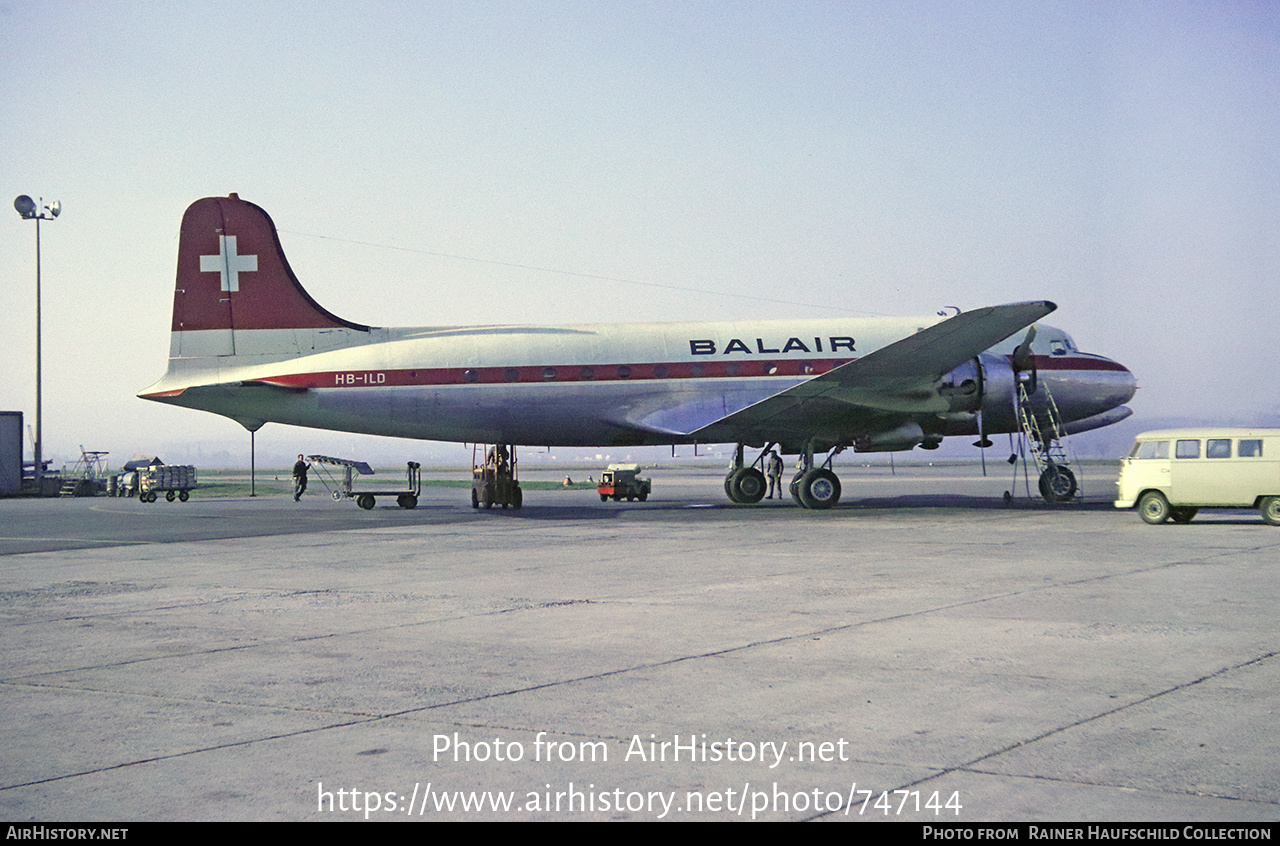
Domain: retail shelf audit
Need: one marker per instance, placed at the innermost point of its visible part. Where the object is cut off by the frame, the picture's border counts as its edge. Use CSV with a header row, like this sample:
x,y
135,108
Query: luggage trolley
x,y
365,499
175,481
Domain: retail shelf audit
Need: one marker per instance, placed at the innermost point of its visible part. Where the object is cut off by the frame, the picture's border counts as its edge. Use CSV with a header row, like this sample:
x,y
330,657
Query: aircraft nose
x,y
1091,384
1127,384
1113,383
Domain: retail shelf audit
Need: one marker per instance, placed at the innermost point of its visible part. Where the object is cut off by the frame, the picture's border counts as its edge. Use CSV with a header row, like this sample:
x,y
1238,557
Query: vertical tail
x,y
236,294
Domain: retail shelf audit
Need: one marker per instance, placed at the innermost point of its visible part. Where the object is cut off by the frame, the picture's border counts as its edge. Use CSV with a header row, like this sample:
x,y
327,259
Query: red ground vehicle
x,y
621,481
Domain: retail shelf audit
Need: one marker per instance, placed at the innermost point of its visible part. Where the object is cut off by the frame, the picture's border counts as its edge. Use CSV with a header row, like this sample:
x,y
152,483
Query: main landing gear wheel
x,y
745,485
1057,484
1154,508
818,488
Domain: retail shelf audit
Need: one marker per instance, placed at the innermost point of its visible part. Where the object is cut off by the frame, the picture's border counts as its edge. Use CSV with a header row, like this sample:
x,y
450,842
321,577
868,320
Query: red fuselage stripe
x,y
608,372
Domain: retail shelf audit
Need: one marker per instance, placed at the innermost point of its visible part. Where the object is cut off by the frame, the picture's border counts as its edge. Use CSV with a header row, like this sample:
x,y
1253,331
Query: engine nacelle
x,y
1000,387
905,436
985,384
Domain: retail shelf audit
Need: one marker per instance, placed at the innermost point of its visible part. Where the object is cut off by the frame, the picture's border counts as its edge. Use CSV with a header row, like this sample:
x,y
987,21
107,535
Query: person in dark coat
x,y
299,478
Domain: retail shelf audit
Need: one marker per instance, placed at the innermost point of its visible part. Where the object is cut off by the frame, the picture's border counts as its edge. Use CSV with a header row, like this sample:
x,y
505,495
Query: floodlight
x,y
29,209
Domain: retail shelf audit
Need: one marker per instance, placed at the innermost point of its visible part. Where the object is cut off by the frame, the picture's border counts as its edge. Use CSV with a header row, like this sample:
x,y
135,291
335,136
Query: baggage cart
x,y
405,498
175,481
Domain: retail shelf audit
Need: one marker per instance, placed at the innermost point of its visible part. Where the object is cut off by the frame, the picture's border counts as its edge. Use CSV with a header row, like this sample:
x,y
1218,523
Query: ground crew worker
x,y
773,470
299,478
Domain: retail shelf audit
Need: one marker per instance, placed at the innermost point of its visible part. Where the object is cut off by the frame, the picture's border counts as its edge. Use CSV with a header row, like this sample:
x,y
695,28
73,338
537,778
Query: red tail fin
x,y
232,274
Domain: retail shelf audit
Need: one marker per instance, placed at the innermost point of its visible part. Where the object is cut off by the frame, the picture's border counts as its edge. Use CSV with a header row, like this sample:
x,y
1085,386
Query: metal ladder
x,y
90,467
1045,453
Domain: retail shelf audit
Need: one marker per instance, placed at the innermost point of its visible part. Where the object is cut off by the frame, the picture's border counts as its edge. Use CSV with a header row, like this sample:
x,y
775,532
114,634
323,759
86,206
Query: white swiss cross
x,y
227,263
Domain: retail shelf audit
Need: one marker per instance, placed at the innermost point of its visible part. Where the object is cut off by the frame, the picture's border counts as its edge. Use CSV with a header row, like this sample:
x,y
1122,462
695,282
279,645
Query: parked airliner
x,y
248,342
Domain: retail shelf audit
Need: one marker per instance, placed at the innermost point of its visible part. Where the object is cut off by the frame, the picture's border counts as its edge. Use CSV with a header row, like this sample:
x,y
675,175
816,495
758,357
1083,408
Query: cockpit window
x,y
1058,347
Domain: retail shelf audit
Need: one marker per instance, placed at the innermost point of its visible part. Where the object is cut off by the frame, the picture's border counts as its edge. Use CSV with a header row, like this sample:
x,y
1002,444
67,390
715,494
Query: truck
x,y
621,481
1170,474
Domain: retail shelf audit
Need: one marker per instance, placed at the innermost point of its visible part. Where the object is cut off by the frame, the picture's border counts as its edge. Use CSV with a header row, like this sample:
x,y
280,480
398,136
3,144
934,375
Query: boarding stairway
x,y
1047,439
89,469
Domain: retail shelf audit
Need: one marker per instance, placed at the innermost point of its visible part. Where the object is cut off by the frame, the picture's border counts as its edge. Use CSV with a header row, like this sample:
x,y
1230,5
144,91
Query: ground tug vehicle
x,y
1173,473
622,481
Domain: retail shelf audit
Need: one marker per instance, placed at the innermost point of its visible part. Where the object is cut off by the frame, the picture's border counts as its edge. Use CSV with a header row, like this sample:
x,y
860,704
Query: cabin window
x,y
1250,448
1188,449
1218,448
1151,449
587,373
511,374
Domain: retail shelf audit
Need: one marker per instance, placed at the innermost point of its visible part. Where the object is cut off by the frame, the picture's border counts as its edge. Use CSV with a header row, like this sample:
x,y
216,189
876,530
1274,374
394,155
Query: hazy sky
x,y
438,163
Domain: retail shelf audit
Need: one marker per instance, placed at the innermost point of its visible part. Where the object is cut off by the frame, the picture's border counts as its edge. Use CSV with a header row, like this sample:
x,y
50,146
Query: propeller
x,y
1024,361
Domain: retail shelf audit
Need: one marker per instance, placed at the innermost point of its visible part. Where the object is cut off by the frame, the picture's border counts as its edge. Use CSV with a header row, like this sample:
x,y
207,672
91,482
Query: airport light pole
x,y
30,209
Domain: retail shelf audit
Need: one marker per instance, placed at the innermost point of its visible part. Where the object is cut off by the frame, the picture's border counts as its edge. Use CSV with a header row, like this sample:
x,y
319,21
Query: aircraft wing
x,y
881,388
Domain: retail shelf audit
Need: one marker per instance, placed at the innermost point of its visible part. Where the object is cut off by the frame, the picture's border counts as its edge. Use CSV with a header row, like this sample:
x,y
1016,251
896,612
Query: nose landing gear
x,y
1057,483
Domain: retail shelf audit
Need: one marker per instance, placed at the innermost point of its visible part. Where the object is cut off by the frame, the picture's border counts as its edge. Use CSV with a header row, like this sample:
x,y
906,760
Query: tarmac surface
x,y
922,652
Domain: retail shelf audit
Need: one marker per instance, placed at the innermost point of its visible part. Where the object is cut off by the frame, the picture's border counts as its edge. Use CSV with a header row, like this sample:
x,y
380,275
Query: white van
x,y
1176,472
